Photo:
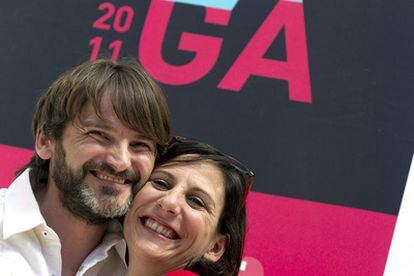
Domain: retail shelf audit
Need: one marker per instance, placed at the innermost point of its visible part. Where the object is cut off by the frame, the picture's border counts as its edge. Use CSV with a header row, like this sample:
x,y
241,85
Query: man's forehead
x,y
106,120
94,106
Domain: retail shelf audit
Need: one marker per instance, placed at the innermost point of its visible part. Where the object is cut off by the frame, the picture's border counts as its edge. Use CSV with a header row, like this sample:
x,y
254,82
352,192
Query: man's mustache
x,y
129,174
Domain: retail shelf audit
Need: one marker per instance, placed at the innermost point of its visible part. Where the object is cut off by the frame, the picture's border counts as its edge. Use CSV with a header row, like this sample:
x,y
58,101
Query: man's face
x,y
97,163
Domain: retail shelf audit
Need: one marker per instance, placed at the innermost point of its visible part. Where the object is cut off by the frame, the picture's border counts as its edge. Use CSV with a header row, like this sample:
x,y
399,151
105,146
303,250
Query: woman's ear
x,y
43,146
217,248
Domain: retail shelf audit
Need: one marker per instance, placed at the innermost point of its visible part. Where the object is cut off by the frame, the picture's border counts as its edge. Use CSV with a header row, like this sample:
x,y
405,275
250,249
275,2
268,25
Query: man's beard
x,y
93,206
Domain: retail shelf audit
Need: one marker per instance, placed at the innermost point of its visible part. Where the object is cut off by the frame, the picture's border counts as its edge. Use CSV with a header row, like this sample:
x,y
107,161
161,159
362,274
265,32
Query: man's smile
x,y
107,177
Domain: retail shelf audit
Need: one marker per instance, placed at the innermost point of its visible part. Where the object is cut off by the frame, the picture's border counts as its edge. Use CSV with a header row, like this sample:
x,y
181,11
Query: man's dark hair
x,y
137,100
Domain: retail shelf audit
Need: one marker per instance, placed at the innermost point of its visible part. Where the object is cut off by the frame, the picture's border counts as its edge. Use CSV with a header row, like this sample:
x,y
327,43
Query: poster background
x,y
329,173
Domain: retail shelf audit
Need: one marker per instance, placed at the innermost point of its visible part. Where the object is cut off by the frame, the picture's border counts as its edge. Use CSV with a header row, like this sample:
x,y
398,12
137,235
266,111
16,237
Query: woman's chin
x,y
151,255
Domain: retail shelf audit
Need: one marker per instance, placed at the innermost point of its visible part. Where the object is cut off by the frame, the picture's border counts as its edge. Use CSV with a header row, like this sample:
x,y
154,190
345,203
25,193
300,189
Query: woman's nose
x,y
170,203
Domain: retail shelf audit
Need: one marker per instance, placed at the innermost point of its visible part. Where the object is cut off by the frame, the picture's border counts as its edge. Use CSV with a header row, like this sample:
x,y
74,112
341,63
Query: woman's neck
x,y
144,269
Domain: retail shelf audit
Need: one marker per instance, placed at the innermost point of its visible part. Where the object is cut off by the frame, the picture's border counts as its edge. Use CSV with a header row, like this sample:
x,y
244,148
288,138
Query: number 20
x,y
122,19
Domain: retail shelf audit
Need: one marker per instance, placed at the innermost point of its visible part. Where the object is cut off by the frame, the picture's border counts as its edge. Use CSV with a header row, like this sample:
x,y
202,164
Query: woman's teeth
x,y
160,229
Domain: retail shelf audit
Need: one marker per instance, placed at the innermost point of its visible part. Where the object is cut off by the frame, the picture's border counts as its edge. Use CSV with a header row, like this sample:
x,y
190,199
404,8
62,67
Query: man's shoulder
x,y
15,262
11,261
2,202
2,195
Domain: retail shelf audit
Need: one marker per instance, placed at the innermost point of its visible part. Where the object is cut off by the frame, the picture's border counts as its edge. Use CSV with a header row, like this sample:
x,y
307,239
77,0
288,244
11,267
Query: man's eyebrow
x,y
144,137
101,124
92,122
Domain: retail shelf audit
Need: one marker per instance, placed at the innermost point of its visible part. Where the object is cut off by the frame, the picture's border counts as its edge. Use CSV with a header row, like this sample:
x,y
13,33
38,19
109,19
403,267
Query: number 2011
x,y
119,20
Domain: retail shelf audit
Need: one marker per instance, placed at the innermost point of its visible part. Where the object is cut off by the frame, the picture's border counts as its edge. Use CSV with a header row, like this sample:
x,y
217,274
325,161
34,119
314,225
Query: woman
x,y
190,214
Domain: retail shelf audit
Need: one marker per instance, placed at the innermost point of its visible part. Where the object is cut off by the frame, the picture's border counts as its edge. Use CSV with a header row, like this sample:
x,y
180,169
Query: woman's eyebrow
x,y
206,194
169,175
164,173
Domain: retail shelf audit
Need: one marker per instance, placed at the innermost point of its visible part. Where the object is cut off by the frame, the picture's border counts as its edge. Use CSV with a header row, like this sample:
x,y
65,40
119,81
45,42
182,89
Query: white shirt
x,y
29,247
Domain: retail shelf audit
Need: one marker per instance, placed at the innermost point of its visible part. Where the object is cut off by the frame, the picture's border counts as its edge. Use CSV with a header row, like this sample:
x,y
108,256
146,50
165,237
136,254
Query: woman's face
x,y
173,218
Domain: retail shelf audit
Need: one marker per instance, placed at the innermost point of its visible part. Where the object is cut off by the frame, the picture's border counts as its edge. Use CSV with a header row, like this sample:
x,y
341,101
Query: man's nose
x,y
119,157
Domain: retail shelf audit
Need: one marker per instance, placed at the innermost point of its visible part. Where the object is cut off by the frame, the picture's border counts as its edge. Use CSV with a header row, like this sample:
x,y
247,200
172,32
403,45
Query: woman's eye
x,y
161,184
196,202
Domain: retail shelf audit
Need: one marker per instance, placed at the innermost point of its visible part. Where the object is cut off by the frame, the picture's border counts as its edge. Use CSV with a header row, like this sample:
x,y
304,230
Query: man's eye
x,y
142,146
98,135
160,184
196,202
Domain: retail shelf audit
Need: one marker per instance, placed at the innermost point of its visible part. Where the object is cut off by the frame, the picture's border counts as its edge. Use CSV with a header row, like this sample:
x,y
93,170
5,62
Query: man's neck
x,y
78,238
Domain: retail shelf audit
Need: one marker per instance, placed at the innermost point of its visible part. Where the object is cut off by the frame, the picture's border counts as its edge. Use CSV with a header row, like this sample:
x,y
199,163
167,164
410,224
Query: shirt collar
x,y
21,212
120,241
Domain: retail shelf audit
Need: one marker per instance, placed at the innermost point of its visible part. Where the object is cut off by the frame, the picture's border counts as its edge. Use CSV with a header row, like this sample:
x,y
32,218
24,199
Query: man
x,y
97,131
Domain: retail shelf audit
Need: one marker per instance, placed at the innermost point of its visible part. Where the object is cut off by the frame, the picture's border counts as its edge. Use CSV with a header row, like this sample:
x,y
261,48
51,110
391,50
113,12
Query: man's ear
x,y
217,248
43,145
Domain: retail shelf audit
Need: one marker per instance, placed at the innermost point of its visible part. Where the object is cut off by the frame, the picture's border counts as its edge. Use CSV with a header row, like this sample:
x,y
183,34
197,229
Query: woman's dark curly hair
x,y
232,221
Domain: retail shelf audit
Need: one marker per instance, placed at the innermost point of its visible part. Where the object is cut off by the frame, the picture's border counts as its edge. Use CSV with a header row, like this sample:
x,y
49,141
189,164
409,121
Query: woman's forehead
x,y
202,172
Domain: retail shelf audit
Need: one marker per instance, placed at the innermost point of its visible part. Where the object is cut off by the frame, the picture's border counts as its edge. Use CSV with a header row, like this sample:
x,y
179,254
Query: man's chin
x,y
97,207
108,207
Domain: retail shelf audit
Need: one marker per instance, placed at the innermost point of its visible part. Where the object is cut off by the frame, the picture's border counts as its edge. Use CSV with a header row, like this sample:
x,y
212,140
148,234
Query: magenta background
x,y
292,237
